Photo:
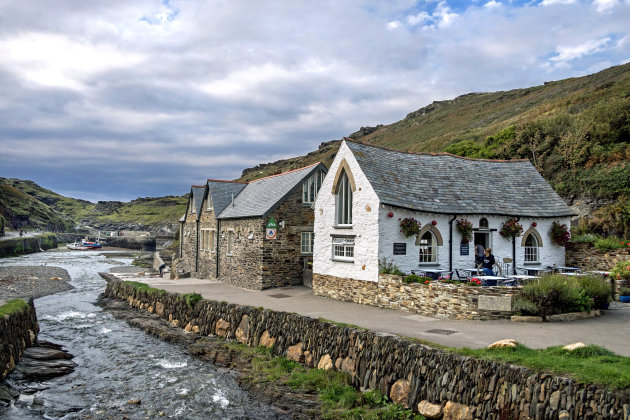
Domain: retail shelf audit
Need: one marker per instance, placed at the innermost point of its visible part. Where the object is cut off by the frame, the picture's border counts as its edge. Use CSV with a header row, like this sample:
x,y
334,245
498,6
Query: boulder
x,y
574,346
400,392
159,308
429,410
325,362
508,342
454,411
266,340
295,352
222,328
242,331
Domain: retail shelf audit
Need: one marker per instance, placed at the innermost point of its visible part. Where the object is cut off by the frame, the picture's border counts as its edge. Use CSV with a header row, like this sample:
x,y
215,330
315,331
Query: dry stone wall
x,y
411,373
17,331
587,257
437,300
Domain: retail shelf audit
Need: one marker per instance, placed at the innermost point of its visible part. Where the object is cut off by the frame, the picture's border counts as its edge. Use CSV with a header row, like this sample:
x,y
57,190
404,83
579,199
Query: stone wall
x,y
32,244
483,388
243,267
587,257
17,331
438,300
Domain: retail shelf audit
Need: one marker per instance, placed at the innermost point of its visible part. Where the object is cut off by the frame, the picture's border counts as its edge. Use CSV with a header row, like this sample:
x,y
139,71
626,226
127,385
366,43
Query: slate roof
x,y
447,184
198,193
221,193
262,196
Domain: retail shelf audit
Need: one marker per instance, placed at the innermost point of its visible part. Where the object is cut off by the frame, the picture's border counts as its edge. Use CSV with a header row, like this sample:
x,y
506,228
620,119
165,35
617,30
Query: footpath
x,y
611,330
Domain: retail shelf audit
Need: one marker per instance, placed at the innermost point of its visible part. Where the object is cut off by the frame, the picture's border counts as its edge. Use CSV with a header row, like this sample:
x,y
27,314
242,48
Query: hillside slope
x,y
576,132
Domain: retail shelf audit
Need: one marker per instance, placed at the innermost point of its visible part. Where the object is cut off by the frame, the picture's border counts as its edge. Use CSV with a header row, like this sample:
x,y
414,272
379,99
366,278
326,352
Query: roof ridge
x,y
433,153
199,186
223,180
285,173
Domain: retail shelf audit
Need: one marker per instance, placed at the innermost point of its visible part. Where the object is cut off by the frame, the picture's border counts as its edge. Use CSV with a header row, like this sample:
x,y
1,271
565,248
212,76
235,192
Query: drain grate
x,y
441,332
279,296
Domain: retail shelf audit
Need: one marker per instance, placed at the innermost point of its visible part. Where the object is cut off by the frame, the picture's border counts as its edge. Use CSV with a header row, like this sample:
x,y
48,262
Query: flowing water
x,y
116,363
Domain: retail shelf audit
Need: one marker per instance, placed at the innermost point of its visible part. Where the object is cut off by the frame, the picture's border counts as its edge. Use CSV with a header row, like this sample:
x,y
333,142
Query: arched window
x,y
531,248
483,223
343,201
428,247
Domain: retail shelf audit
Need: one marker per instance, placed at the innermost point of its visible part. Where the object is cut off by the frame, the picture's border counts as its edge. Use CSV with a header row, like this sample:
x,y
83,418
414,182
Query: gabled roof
x,y
221,193
197,193
262,196
448,184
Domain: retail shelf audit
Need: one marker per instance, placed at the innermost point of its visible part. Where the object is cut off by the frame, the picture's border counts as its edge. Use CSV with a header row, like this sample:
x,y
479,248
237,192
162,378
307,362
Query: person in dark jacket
x,y
488,262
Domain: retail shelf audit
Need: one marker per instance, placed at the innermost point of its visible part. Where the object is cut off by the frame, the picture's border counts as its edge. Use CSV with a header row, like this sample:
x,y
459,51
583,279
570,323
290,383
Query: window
x,y
208,204
343,201
343,249
311,186
192,205
428,248
307,242
230,246
204,240
483,223
531,248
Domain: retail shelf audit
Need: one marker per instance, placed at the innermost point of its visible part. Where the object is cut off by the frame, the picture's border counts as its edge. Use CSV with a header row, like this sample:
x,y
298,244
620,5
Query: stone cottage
x,y
370,190
255,235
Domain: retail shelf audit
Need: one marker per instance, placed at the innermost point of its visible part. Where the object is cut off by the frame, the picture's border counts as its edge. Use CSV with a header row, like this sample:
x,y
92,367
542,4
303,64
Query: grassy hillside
x,y
24,204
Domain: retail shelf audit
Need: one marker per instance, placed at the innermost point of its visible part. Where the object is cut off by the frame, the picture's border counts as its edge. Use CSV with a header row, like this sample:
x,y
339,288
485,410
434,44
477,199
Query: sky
x,y
119,99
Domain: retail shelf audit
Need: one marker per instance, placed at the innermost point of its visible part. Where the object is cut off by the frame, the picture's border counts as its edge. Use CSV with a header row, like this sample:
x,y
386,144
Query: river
x,y
116,363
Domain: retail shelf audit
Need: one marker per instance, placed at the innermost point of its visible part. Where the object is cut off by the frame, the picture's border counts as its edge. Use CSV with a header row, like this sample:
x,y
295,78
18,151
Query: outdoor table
x,y
532,271
603,273
429,272
491,280
523,278
567,269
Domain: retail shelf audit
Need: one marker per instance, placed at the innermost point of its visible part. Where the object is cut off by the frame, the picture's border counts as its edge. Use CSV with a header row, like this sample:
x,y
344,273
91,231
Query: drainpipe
x,y
197,249
450,243
514,252
216,245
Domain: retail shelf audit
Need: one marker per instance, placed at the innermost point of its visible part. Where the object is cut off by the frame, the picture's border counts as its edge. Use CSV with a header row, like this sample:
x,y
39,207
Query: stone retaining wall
x,y
17,331
410,373
439,300
587,257
31,244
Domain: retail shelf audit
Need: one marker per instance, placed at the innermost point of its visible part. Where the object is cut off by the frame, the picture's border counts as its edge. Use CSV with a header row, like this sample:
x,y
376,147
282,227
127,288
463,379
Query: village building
x,y
370,190
255,235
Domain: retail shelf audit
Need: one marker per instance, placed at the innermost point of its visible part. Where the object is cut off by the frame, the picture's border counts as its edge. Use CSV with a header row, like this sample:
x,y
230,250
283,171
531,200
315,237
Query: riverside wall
x,y
31,244
18,331
410,373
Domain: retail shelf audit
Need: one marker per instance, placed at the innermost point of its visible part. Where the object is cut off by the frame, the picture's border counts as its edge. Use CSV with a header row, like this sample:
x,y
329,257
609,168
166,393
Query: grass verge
x,y
13,306
145,287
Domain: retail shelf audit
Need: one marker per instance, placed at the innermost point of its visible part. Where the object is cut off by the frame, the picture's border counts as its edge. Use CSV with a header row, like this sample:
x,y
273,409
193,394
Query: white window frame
x,y
192,206
230,242
306,243
208,204
430,257
311,187
531,252
204,240
343,201
343,249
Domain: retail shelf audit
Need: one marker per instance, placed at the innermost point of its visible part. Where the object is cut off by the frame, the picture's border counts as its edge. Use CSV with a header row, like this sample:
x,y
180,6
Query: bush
x,y
624,291
555,294
413,278
621,270
597,289
606,244
586,238
389,268
522,306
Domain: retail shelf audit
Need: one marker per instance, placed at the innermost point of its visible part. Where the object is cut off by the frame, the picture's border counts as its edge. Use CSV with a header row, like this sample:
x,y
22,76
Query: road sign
x,y
270,233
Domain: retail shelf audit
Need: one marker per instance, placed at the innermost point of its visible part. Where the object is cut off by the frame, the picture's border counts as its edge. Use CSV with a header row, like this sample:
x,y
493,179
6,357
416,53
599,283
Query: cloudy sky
x,y
116,99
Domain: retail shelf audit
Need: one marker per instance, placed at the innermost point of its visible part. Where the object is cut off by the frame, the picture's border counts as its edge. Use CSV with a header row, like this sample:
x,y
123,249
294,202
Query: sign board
x,y
400,248
270,233
271,224
464,248
494,303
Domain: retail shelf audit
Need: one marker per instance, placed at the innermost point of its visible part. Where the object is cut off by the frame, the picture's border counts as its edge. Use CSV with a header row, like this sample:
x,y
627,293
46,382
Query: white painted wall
x,y
365,215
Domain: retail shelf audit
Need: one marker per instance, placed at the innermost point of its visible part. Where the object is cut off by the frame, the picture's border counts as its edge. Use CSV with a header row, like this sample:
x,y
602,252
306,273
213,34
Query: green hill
x,y
576,132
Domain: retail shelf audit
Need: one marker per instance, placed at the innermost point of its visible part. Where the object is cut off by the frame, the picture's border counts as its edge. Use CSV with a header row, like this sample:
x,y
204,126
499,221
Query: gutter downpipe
x,y
514,252
217,247
450,243
197,249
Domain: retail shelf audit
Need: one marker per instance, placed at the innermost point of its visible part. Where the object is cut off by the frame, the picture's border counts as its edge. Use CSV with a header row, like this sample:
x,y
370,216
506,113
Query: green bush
x,y
624,291
621,270
414,278
389,268
554,294
523,306
192,298
596,288
606,244
586,238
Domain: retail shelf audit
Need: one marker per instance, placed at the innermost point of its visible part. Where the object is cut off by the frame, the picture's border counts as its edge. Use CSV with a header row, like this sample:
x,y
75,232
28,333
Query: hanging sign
x,y
463,248
271,229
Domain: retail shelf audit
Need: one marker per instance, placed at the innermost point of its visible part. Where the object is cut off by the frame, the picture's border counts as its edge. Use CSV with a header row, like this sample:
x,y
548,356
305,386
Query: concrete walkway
x,y
611,330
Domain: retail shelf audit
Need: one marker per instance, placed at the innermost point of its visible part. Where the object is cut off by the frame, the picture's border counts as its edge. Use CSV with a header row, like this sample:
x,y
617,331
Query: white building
x,y
369,190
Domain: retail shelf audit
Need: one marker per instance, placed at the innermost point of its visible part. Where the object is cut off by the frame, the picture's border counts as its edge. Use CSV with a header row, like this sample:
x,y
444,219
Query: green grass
x,y
13,306
143,287
192,298
342,324
590,364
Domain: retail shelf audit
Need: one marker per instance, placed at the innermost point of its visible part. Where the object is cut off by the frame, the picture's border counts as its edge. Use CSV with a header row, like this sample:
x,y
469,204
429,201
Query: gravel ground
x,y
35,281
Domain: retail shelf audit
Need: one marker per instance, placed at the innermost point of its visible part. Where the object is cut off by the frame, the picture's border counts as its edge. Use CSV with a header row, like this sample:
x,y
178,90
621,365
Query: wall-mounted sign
x,y
400,248
270,233
463,248
271,224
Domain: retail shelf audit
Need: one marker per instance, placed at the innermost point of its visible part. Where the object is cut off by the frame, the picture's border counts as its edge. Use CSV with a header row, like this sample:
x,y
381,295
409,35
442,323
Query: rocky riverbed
x,y
32,281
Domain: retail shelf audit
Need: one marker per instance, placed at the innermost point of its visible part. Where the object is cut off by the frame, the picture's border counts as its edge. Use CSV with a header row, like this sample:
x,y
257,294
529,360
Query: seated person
x,y
488,261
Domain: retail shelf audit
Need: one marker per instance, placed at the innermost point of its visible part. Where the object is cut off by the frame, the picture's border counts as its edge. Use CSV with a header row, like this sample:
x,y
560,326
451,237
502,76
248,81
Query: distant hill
x,y
24,204
576,132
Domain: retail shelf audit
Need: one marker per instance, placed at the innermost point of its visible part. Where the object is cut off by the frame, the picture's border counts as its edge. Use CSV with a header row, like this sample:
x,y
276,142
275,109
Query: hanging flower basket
x,y
465,228
511,229
559,234
409,226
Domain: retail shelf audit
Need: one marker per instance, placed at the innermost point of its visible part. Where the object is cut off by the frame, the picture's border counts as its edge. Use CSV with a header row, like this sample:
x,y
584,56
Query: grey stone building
x,y
255,235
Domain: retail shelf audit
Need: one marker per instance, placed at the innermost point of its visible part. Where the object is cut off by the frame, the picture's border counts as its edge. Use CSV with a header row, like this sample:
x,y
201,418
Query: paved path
x,y
610,330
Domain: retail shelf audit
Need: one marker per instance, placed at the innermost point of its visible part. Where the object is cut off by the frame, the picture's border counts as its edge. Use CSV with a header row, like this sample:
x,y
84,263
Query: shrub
x,y
559,234
624,291
586,238
596,288
414,278
389,268
621,270
606,244
556,294
523,306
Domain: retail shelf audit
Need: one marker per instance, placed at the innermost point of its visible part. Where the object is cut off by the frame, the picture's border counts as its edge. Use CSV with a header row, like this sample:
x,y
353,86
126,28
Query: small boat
x,y
91,244
77,246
